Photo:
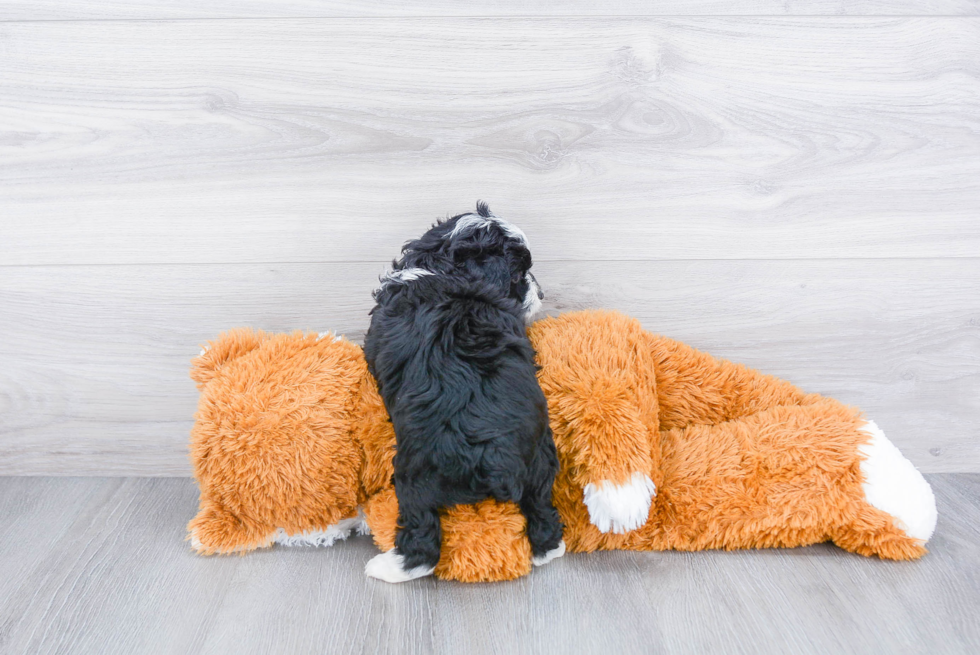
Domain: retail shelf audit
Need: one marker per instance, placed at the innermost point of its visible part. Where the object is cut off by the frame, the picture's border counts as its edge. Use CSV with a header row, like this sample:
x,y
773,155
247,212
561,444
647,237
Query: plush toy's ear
x,y
227,347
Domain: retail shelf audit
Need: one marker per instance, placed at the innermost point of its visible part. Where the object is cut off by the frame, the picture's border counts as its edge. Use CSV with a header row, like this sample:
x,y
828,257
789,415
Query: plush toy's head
x,y
271,446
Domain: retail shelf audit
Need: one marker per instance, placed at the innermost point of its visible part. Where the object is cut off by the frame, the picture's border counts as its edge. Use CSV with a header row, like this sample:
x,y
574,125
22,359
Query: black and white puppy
x,y
448,348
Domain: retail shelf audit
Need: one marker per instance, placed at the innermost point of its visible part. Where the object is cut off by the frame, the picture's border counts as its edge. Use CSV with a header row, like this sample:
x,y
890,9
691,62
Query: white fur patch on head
x,y
895,486
472,222
403,276
619,508
511,230
389,567
468,223
552,554
326,537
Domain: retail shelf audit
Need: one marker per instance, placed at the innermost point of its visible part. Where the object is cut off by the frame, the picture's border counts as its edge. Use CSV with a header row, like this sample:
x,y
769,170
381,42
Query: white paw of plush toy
x,y
619,508
895,486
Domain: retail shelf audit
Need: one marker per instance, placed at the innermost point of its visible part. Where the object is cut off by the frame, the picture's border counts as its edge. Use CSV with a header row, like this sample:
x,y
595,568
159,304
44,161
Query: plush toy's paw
x,y
895,486
326,537
620,508
389,567
554,553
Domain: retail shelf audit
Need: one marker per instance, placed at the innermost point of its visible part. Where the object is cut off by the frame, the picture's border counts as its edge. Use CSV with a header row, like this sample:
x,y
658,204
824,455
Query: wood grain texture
x,y
605,138
100,565
96,358
184,9
799,193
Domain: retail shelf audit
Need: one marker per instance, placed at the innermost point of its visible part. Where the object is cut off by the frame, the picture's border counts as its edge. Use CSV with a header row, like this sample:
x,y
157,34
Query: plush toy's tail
x,y
899,515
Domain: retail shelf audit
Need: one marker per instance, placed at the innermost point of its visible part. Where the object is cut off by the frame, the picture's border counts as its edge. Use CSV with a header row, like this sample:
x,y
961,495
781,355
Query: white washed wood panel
x,y
614,138
162,9
95,359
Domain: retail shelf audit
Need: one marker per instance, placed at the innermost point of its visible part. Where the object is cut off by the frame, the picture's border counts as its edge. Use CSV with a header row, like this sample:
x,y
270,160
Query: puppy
x,y
448,348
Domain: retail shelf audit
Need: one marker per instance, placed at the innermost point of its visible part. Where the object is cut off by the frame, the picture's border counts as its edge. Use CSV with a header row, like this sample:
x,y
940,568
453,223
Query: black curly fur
x,y
456,372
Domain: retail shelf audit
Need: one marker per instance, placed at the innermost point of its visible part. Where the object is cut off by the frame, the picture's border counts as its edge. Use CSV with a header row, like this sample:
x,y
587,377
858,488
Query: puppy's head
x,y
478,246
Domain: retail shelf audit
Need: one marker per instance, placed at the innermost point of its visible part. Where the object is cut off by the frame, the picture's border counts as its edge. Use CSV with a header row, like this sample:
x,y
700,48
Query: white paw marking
x,y
326,537
894,485
619,508
196,543
554,553
390,568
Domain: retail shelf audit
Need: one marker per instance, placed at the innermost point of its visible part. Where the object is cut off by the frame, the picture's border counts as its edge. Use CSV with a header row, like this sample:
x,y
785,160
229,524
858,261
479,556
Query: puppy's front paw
x,y
554,553
390,567
619,508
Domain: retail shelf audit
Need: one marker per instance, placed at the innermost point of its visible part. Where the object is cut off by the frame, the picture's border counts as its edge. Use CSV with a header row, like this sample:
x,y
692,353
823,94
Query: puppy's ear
x,y
428,251
497,272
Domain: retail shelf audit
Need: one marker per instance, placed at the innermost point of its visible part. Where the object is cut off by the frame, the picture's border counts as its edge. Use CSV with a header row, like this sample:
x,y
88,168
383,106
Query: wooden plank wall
x,y
772,182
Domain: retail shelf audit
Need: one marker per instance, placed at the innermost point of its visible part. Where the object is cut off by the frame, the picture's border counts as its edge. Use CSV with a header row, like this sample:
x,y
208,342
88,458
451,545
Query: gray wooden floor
x,y
99,565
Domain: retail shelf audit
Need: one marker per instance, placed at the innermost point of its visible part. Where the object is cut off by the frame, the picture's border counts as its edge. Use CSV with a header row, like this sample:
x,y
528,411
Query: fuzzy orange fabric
x,y
484,542
271,445
291,433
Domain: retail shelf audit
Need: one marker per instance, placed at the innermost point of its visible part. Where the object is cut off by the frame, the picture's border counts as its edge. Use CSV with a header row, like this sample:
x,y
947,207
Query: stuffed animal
x,y
661,447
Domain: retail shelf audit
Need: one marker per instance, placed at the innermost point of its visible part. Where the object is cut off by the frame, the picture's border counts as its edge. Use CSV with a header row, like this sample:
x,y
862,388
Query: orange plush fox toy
x,y
661,447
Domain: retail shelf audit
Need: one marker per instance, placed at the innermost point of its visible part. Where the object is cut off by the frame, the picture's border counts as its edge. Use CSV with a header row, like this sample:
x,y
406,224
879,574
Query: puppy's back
x,y
456,371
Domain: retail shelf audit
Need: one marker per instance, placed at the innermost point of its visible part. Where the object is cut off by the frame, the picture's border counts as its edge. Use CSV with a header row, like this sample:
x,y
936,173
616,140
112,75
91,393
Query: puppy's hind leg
x,y
544,528
417,543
